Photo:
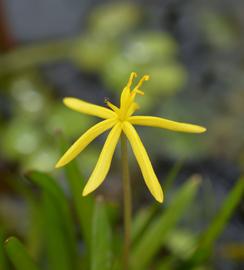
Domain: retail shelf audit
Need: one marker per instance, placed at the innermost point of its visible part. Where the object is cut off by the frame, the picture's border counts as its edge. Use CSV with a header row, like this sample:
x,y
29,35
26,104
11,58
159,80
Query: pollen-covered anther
x,y
133,75
142,80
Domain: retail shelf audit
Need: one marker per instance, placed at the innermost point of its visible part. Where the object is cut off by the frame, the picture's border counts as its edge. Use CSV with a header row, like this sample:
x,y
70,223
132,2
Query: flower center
x,y
127,100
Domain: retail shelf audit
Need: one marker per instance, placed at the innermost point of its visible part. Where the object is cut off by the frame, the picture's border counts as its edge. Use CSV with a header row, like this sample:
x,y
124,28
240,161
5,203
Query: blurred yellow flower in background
x,y
120,119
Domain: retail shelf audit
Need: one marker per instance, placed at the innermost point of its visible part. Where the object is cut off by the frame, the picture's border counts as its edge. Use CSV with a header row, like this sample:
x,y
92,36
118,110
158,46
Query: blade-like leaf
x,y
46,182
170,178
57,249
3,261
34,235
101,248
83,205
141,220
166,264
208,238
181,243
160,228
58,224
18,255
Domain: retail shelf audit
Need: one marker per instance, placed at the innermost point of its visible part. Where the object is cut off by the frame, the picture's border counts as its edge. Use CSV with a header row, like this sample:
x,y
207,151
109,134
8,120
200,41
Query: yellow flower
x,y
120,119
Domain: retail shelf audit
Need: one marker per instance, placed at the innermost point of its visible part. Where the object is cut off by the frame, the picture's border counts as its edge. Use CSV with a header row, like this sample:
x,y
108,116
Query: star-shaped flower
x,y
120,119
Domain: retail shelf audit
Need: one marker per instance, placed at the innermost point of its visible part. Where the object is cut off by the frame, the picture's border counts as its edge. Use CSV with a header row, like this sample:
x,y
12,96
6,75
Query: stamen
x,y
133,94
144,78
112,106
132,76
106,99
139,92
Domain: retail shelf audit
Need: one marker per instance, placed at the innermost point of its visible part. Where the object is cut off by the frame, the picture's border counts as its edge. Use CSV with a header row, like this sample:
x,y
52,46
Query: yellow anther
x,y
144,78
132,76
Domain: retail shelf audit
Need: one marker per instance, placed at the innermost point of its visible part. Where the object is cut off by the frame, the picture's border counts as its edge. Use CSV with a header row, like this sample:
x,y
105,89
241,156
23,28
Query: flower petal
x,y
103,164
84,140
165,123
133,107
143,161
88,108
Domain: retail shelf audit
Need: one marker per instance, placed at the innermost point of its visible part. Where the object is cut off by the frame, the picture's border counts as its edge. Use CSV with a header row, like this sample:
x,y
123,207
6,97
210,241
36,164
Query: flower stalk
x,y
127,201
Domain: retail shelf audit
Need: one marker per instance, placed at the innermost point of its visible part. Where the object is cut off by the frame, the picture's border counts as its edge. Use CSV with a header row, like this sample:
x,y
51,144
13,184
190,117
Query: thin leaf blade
x,y
206,241
101,248
83,205
141,220
160,228
58,223
18,255
3,259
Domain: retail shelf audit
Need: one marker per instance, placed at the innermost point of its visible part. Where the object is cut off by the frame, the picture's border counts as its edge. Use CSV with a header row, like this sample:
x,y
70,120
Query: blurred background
x,y
194,54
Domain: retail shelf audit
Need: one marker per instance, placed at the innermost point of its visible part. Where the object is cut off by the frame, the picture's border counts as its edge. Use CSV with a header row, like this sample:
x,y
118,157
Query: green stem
x,y
127,200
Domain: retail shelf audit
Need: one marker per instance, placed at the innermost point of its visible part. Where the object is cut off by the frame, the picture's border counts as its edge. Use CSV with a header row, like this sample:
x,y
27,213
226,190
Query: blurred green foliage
x,y
35,113
118,39
18,255
63,230
62,245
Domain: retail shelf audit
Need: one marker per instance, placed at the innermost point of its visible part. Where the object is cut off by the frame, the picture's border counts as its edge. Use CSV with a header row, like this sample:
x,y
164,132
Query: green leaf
x,y
3,261
18,255
217,226
101,248
83,205
34,235
172,175
158,231
181,243
141,220
57,248
58,224
166,264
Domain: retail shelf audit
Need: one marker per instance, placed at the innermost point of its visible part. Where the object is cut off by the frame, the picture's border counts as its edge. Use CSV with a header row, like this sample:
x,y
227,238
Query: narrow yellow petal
x,y
133,107
103,164
84,140
124,97
143,161
165,123
88,108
